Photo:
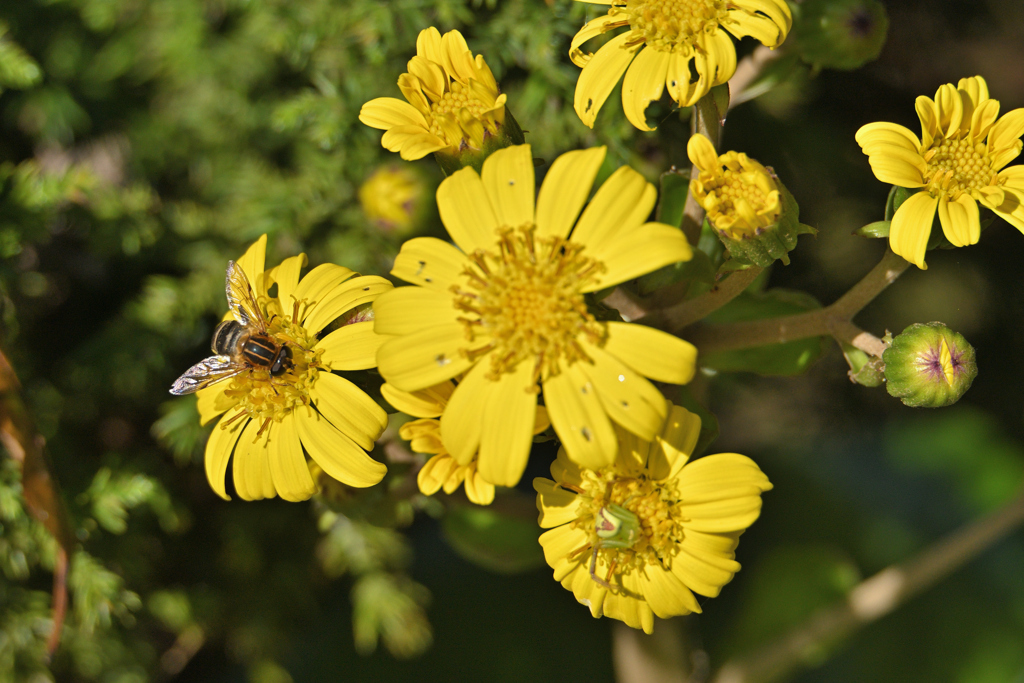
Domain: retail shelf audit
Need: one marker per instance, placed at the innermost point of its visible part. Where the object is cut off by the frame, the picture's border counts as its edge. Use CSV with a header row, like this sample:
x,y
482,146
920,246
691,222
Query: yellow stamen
x,y
674,25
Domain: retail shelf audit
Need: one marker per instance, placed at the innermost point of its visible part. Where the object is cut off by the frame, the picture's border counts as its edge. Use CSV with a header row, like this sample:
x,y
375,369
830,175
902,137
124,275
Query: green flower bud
x,y
840,34
929,366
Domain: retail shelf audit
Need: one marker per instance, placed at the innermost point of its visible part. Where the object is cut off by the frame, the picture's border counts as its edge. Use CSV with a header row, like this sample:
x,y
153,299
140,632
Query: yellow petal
x,y
1006,131
288,467
720,54
911,226
462,421
508,179
557,505
412,143
286,275
641,250
429,402
776,10
430,262
338,456
565,190
508,427
218,452
212,401
667,595
320,281
387,112
410,309
706,478
345,297
653,353
671,451
950,107
960,220
565,471
929,117
579,418
348,408
425,358
763,28
890,133
895,171
466,212
253,259
560,542
251,466
703,576
592,29
983,118
352,347
479,491
434,474
600,76
622,203
428,44
644,83
629,400
702,153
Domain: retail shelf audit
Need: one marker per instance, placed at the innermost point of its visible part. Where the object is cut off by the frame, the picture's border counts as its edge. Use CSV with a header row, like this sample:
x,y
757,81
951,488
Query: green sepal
x,y
788,358
897,195
494,541
865,370
774,242
878,229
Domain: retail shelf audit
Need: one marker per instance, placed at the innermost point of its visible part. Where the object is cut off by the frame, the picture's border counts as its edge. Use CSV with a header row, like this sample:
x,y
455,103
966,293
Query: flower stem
x,y
873,598
686,313
833,320
705,120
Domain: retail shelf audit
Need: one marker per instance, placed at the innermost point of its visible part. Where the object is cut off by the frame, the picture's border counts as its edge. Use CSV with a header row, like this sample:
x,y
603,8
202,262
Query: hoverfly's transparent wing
x,y
206,372
242,300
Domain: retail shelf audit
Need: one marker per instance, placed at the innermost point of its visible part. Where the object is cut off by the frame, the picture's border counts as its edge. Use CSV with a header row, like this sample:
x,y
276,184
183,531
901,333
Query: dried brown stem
x,y
874,598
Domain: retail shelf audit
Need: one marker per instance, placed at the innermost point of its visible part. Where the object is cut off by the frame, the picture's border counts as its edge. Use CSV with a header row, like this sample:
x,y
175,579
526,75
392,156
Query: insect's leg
x,y
593,568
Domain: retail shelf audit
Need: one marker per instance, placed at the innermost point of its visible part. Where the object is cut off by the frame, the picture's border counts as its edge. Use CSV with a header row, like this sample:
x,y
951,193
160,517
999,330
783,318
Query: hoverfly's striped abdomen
x,y
226,337
260,350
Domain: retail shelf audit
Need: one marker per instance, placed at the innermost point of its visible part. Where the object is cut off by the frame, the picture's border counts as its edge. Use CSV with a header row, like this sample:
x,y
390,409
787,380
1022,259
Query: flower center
x,y
741,198
674,25
956,166
458,105
266,397
653,503
525,299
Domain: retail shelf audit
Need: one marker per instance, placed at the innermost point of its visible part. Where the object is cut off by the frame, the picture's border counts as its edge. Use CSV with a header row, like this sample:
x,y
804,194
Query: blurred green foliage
x,y
143,143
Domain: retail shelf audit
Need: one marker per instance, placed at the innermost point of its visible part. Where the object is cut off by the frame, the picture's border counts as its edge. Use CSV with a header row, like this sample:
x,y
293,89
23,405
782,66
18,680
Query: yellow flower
x,y
682,37
506,307
453,101
637,539
958,162
424,436
739,195
271,423
392,198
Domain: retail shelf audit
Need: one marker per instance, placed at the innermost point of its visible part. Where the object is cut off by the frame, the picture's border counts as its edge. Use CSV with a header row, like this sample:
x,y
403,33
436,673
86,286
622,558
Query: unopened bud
x,y
929,366
394,198
840,34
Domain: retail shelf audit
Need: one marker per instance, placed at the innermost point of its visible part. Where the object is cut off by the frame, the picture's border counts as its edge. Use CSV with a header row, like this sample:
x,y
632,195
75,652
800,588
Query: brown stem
x,y
833,320
706,120
688,312
873,598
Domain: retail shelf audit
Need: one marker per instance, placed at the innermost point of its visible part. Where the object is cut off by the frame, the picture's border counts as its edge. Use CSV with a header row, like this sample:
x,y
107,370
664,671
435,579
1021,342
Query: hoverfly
x,y
240,344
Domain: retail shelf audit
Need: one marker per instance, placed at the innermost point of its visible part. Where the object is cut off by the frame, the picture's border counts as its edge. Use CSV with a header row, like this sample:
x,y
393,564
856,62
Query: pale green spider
x,y
615,527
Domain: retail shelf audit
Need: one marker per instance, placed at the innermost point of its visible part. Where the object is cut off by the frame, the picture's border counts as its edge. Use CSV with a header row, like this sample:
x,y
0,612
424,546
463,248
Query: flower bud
x,y
746,204
840,34
929,366
394,199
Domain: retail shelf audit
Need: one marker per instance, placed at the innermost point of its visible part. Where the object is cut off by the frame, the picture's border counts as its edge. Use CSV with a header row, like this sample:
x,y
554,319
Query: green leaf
x,y
500,543
675,185
876,229
790,358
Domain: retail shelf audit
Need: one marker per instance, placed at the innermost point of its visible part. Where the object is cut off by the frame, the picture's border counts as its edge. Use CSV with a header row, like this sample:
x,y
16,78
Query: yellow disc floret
x,y
674,25
956,166
526,298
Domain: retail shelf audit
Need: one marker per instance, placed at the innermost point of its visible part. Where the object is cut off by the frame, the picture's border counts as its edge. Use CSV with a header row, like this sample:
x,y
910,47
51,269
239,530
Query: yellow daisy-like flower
x,y
958,162
507,307
637,539
272,422
424,436
672,40
392,198
739,195
453,101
